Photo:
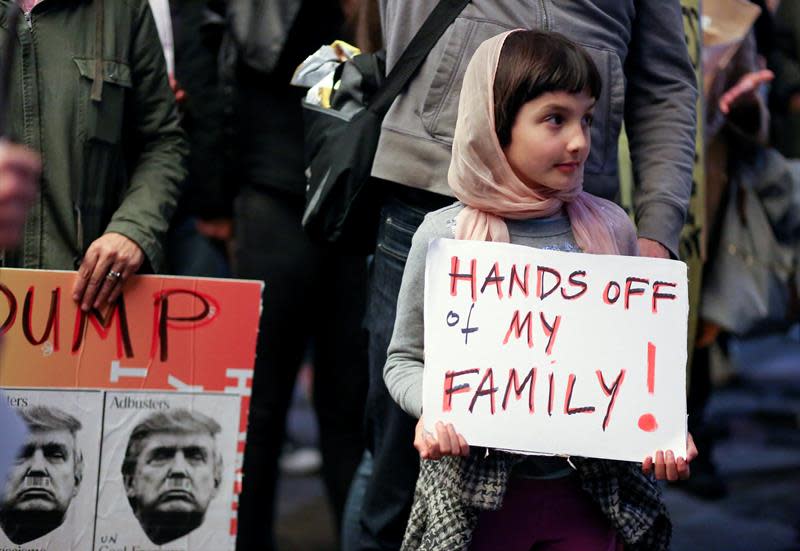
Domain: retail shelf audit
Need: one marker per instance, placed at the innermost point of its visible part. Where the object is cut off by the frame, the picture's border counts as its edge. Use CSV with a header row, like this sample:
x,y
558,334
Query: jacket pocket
x,y
440,108
608,111
102,120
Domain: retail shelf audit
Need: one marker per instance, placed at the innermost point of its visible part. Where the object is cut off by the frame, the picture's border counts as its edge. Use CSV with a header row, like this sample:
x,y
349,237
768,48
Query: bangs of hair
x,y
533,63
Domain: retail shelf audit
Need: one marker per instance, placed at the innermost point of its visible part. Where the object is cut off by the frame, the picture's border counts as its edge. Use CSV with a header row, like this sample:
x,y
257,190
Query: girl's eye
x,y
588,119
555,118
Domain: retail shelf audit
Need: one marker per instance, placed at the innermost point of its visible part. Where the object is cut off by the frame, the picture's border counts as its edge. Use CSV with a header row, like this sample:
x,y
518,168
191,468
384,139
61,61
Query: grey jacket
x,y
639,48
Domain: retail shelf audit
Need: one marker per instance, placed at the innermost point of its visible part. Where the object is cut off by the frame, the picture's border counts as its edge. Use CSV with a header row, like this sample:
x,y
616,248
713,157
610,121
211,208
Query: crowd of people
x,y
118,163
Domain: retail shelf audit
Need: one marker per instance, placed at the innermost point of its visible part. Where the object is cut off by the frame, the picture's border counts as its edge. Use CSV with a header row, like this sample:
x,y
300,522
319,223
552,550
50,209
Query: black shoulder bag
x,y
340,145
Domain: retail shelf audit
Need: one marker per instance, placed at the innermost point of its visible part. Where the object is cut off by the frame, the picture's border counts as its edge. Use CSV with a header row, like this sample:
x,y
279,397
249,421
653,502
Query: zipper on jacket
x,y
29,20
545,21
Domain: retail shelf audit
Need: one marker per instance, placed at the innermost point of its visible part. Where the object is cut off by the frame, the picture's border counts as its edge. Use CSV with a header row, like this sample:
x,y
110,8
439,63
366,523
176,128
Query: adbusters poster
x,y
171,337
166,479
49,494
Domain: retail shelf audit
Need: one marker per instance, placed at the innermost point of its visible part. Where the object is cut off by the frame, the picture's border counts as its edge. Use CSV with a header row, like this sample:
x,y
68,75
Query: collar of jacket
x,y
97,85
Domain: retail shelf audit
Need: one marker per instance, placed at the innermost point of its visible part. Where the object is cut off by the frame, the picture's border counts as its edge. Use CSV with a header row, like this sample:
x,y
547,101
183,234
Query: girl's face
x,y
550,139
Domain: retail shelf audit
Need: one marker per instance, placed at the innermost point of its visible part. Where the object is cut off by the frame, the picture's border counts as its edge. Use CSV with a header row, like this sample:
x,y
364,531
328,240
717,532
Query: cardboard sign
x,y
164,335
556,353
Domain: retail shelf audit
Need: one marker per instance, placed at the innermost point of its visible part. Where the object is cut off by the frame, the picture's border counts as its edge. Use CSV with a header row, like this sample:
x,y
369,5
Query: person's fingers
x,y
747,84
763,76
455,445
126,272
17,190
671,468
419,439
443,438
10,234
730,97
691,449
647,465
97,279
19,158
116,291
463,446
661,469
12,213
432,445
422,446
84,273
419,445
111,283
683,469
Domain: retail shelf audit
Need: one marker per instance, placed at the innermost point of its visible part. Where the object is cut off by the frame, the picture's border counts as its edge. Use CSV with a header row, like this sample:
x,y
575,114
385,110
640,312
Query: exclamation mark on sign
x,y
647,422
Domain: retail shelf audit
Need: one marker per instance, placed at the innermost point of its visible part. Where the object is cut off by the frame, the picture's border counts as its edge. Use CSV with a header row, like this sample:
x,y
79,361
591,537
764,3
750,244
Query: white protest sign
x,y
556,353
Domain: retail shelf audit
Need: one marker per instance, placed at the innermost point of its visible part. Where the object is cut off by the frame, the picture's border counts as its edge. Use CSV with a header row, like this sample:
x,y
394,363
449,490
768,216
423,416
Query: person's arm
x,y
405,361
660,119
138,227
19,175
160,166
405,356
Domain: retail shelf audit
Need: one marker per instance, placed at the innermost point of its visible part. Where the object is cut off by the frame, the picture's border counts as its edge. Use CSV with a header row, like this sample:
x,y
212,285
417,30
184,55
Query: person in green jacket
x,y
90,93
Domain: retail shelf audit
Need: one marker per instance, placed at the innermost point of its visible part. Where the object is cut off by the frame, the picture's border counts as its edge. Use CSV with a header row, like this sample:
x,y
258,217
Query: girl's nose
x,y
579,139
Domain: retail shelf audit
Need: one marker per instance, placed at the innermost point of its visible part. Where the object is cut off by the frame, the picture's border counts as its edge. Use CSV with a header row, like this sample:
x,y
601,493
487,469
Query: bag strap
x,y
431,31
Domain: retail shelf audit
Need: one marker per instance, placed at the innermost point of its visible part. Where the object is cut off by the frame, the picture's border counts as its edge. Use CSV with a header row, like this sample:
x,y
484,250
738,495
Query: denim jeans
x,y
390,431
351,524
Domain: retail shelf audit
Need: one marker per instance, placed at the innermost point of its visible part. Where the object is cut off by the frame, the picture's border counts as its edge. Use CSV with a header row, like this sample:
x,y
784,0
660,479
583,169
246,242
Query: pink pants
x,y
539,515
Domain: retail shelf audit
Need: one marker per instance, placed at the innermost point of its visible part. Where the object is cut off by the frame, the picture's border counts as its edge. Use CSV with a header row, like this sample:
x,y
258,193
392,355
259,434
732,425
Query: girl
x,y
520,144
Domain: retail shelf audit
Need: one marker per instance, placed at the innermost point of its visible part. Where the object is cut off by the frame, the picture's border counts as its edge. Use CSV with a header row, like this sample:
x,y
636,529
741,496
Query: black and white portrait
x,y
54,476
171,471
168,479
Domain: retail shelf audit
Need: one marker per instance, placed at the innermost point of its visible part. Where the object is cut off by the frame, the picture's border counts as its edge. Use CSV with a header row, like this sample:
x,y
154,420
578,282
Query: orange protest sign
x,y
193,338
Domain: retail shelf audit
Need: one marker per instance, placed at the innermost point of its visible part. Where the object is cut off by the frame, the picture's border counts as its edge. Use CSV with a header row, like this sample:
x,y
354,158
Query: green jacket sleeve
x,y
160,166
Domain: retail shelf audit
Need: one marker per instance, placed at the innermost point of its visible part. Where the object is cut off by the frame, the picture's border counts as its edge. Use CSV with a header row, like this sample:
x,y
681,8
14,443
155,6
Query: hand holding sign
x,y
110,261
667,467
445,442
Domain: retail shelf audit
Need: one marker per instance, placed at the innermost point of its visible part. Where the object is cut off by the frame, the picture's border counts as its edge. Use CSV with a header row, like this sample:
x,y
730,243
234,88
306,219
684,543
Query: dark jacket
x,y
92,96
268,121
197,28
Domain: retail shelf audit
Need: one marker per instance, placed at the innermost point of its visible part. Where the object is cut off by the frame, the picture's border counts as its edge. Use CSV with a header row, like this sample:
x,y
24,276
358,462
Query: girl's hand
x,y
667,467
446,441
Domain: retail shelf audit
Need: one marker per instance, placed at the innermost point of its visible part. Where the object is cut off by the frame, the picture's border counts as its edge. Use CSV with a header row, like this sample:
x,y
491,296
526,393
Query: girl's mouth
x,y
568,168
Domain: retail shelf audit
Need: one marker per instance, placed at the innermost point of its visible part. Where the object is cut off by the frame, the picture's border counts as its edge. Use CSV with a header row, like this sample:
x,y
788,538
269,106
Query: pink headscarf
x,y
482,179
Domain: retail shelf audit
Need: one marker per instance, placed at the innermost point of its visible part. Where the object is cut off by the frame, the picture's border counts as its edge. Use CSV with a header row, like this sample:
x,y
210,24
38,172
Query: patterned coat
x,y
451,492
